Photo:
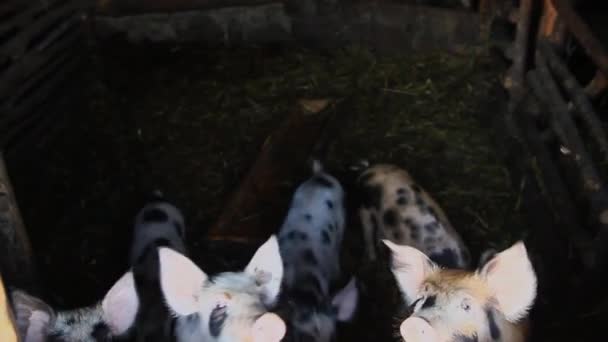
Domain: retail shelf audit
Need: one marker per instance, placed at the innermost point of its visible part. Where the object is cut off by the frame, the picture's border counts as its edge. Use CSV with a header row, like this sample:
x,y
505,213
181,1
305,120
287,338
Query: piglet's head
x,y
454,305
113,317
232,306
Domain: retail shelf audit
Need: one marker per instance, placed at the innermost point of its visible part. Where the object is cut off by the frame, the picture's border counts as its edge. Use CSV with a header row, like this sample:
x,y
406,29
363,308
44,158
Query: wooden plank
x,y
127,7
18,45
16,258
31,64
57,74
8,327
577,26
258,206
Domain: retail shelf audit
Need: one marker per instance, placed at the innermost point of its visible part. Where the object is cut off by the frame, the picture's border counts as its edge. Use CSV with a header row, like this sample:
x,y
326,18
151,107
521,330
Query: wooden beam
x,y
16,257
257,207
128,7
515,78
583,34
8,328
577,95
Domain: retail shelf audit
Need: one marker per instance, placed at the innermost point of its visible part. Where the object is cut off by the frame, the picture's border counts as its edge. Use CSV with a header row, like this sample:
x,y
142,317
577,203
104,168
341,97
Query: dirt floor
x,y
190,121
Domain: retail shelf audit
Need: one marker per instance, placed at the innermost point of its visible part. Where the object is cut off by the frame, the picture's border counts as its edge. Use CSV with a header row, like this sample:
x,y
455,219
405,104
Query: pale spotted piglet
x,y
132,307
231,306
394,207
490,304
108,320
310,240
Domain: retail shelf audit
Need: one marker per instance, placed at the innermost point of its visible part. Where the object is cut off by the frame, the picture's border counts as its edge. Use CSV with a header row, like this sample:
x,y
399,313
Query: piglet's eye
x,y
466,306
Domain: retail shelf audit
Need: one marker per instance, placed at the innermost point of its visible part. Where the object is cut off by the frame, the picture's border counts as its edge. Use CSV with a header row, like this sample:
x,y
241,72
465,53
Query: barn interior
x,y
497,109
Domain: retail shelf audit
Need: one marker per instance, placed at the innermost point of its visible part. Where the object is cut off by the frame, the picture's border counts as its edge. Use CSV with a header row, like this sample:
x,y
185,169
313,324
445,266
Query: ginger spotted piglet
x,y
395,208
490,304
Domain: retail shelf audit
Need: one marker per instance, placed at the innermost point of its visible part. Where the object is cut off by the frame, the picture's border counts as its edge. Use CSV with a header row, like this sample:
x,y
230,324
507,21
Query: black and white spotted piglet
x,y
132,307
310,240
395,208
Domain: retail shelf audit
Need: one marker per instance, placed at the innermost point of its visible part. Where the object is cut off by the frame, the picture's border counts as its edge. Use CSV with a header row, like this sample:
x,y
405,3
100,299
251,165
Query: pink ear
x,y
268,328
181,282
266,266
410,267
33,316
120,305
511,277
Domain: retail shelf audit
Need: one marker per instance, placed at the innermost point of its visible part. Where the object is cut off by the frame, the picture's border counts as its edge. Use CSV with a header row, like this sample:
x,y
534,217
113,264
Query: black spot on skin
x,y
416,188
70,321
447,258
309,257
402,200
155,215
101,332
162,242
372,196
180,229
397,235
432,227
291,235
325,237
429,302
330,204
308,217
421,204
414,235
390,217
401,191
322,181
303,236
412,225
433,212
216,320
462,338
331,227
494,330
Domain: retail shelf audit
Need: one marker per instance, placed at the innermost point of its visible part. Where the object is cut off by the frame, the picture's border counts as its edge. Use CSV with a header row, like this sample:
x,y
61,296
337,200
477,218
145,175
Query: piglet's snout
x,y
415,329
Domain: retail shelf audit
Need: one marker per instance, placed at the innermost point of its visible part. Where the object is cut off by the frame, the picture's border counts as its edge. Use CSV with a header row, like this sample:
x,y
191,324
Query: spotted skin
x,y
312,266
394,207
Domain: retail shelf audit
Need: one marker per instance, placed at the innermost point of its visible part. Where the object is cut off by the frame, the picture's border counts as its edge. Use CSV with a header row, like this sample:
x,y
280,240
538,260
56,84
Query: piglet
x,y
111,318
310,240
394,207
230,306
486,305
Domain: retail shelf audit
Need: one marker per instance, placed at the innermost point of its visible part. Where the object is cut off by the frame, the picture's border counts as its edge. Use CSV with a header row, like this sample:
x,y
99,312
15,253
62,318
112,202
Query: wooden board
x,y
8,331
16,258
257,207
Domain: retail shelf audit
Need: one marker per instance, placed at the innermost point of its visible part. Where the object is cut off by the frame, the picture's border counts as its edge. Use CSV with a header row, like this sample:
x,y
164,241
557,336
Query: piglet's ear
x,y
181,282
512,280
34,317
346,301
266,266
410,267
268,328
120,305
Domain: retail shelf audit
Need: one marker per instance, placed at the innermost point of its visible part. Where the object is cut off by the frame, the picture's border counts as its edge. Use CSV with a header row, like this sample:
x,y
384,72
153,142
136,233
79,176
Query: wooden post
x,y
16,257
258,206
8,328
